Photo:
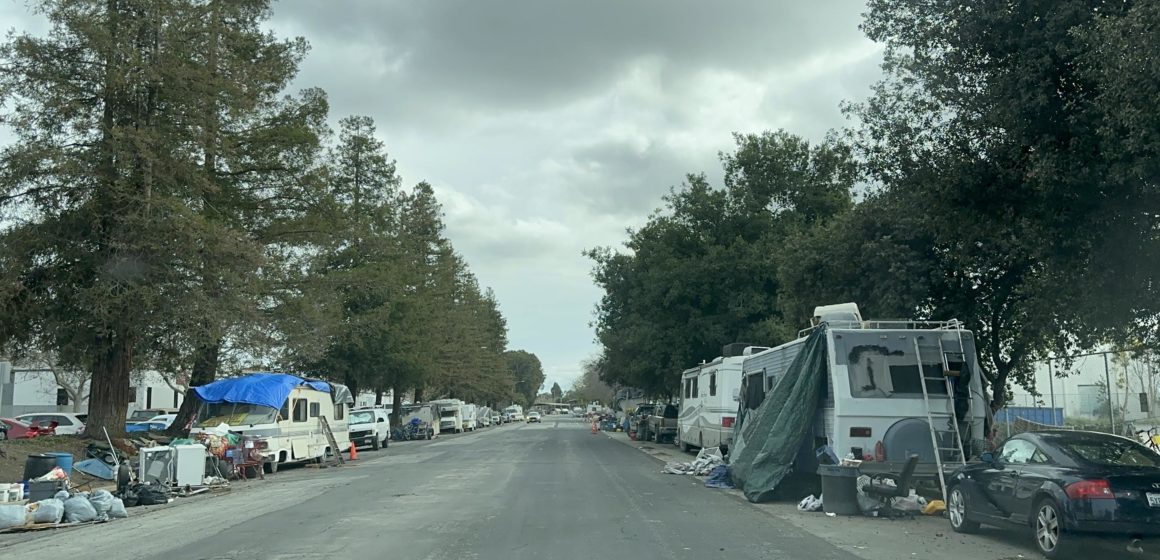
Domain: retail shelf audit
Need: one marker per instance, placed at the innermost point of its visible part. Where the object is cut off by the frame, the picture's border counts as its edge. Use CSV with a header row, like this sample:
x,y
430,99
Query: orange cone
x,y
353,451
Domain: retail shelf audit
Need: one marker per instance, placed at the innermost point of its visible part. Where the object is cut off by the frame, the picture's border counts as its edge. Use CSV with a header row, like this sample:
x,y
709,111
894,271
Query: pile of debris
x,y
704,464
65,508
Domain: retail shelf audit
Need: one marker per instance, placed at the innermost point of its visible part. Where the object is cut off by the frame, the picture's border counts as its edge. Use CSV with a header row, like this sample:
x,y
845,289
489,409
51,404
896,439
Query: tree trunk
x,y
205,364
109,398
396,406
378,396
418,393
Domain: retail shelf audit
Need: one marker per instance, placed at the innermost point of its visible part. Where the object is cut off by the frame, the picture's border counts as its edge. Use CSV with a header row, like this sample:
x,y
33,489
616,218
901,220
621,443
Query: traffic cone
x,y
353,451
594,427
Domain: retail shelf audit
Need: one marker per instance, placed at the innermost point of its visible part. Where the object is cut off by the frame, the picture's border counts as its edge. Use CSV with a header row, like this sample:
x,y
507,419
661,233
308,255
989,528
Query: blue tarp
x,y
264,389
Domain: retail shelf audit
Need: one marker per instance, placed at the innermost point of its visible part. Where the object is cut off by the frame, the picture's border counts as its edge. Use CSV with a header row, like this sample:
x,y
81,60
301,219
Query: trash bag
x,y
118,510
152,495
47,511
13,516
78,509
102,502
62,495
867,504
810,503
909,504
719,478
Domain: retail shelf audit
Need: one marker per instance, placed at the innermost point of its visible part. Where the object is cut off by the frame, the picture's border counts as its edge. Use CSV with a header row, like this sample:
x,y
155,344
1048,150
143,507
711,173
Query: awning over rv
x,y
264,389
769,439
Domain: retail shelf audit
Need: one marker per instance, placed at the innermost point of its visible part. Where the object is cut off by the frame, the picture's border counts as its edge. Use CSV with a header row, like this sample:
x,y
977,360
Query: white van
x,y
873,406
708,399
283,411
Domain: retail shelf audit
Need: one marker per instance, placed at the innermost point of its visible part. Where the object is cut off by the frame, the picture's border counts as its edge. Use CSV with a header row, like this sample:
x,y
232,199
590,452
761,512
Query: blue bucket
x,y
63,460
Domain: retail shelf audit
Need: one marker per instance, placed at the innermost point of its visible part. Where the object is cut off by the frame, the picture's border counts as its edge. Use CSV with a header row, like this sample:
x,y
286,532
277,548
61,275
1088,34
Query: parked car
x,y
496,418
1062,485
148,426
534,416
67,423
11,428
661,423
146,414
166,419
370,426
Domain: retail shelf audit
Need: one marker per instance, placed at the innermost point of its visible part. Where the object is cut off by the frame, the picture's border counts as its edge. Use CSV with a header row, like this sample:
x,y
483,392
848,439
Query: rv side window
x,y
339,411
315,409
284,412
299,410
685,387
713,385
696,391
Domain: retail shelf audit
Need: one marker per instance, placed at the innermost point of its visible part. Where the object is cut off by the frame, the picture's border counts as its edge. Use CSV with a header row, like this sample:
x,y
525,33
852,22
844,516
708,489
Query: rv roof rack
x,y
890,324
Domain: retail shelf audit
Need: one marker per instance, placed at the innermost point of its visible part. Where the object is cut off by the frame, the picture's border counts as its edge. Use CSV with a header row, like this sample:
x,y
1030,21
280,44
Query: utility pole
x,y
1108,381
1051,385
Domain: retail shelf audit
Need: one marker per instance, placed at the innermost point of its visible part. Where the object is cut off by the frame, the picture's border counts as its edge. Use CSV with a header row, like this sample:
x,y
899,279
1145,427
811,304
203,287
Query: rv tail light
x,y
879,452
726,421
860,432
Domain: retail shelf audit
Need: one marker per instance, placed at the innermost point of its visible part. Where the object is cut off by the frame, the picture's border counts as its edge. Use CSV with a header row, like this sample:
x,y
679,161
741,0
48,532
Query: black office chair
x,y
886,493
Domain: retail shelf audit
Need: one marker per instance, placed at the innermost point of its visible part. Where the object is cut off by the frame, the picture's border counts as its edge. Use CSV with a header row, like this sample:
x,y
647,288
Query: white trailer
x,y
873,405
469,412
708,402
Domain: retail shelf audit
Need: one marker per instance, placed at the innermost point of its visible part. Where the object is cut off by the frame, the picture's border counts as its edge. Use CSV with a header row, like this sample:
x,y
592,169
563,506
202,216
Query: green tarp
x,y
770,437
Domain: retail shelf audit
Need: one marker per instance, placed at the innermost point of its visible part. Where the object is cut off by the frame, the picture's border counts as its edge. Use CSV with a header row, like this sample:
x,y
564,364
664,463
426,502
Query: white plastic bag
x,y
78,509
118,510
102,502
13,516
47,511
56,473
810,503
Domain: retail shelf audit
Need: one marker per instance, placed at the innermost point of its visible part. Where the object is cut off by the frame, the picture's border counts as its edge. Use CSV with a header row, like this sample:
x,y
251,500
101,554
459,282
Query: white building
x,y
25,389
1079,391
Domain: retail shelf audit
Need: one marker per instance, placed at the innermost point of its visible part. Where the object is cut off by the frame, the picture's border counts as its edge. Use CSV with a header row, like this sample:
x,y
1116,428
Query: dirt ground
x,y
16,451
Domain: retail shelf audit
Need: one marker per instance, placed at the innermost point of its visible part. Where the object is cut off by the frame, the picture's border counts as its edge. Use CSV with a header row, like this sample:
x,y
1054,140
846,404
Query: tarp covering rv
x,y
265,389
769,438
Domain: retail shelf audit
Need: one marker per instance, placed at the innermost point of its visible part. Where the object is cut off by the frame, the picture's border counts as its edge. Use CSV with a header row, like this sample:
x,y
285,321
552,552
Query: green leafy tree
x,y
556,392
527,372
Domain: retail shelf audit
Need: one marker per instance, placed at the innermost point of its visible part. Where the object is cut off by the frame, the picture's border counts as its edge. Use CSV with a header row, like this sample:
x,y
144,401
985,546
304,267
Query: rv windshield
x,y
883,366
235,414
447,413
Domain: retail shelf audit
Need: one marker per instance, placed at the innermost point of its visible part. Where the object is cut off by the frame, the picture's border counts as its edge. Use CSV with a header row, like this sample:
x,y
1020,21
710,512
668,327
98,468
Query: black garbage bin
x,y
839,489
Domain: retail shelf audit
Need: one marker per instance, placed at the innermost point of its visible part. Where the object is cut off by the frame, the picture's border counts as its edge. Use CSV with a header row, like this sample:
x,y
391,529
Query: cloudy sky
x,y
548,127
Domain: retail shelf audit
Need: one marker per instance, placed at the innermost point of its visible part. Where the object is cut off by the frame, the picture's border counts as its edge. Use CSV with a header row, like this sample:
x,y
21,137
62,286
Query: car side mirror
x,y
987,457
382,419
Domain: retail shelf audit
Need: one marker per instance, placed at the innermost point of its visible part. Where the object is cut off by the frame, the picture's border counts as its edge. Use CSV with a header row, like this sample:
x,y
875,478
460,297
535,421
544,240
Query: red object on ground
x,y
20,430
353,451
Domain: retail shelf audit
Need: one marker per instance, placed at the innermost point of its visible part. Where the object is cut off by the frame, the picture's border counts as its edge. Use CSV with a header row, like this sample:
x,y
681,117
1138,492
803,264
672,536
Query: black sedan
x,y
1061,484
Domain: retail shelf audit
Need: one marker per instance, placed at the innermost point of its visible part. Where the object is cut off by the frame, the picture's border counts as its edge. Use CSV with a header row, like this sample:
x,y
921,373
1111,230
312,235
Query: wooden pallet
x,y
46,526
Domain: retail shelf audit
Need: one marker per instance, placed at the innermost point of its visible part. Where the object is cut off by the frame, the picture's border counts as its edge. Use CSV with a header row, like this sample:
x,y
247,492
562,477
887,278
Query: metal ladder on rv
x,y
335,453
937,433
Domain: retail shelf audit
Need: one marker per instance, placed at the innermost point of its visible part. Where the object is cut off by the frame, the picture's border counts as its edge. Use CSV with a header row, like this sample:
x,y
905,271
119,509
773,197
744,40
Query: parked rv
x,y
709,394
873,406
515,413
284,411
450,414
468,412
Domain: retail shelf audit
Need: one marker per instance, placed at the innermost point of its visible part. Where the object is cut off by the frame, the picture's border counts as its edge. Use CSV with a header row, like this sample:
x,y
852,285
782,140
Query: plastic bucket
x,y
839,489
63,460
38,465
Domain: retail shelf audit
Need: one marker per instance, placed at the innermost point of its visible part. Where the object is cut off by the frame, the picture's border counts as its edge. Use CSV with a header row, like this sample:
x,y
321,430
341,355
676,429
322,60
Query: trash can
x,y
839,489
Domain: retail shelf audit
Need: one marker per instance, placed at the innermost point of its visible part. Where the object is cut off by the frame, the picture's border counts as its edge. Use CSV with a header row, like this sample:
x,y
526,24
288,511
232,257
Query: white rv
x,y
873,405
450,415
708,397
469,411
284,411
515,413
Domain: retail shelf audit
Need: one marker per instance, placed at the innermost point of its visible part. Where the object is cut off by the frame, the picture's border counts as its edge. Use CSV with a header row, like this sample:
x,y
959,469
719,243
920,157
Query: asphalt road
x,y
548,491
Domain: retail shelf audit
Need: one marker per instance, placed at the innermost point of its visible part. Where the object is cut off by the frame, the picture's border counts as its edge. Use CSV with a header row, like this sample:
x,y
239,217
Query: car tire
x,y
1047,529
957,512
386,442
374,442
